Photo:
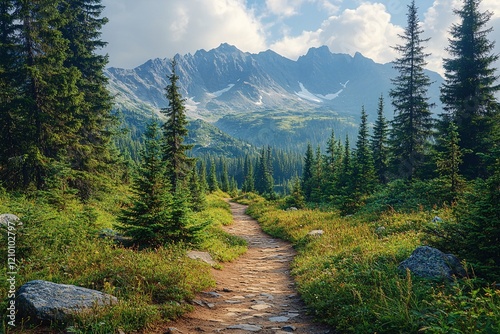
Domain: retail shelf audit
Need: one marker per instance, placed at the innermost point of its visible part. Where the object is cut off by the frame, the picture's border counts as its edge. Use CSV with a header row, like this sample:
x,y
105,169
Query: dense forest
x,y
63,147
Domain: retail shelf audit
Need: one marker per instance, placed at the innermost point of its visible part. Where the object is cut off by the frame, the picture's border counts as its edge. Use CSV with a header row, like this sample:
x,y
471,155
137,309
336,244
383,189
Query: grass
x,y
62,245
349,279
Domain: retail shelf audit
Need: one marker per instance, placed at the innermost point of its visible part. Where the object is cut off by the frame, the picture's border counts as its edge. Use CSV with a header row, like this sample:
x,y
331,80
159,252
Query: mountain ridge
x,y
225,80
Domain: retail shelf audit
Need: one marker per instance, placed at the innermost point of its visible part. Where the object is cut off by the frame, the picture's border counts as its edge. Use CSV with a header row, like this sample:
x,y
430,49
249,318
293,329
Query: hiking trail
x,y
254,293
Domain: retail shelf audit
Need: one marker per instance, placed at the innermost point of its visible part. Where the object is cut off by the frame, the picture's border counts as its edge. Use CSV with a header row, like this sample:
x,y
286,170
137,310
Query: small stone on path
x,y
260,307
289,328
246,327
279,319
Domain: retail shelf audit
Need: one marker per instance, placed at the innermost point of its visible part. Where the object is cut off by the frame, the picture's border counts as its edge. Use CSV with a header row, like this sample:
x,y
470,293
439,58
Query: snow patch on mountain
x,y
318,98
307,95
222,91
259,103
330,96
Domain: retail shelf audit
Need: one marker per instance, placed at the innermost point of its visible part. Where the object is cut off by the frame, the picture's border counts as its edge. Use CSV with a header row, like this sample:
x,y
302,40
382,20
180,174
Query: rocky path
x,y
254,293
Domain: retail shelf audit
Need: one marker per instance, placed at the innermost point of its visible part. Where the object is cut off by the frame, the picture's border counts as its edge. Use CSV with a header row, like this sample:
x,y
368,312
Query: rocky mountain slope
x,y
226,81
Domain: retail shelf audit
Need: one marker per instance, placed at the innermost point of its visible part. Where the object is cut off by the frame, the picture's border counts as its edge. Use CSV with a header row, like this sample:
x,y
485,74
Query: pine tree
x,y
52,98
269,179
203,177
198,199
91,153
379,144
213,183
175,131
345,187
260,173
364,172
264,181
470,85
149,219
333,156
249,183
449,161
225,186
11,120
412,124
296,198
307,173
317,181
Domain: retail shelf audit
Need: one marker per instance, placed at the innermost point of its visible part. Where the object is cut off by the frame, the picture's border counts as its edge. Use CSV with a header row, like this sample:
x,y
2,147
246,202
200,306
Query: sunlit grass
x,y
62,245
349,278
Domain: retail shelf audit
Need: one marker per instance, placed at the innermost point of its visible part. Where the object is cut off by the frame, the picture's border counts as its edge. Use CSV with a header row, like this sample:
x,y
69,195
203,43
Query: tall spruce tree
x,y
249,182
203,176
269,185
11,74
317,181
51,96
345,187
470,85
198,200
364,172
175,131
51,106
379,143
307,172
225,184
412,124
213,183
91,154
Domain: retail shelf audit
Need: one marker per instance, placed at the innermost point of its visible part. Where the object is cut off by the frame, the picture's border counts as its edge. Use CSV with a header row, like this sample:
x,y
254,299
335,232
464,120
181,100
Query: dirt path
x,y
254,293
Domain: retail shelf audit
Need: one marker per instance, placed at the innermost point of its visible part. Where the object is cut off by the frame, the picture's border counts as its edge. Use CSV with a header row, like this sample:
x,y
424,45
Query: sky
x,y
139,30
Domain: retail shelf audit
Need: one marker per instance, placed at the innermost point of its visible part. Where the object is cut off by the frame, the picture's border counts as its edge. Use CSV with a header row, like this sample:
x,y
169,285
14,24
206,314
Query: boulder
x,y
47,302
7,218
430,262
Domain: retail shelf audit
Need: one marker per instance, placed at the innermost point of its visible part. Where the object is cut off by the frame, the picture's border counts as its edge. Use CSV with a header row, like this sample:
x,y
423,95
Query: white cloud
x,y
283,8
437,23
327,5
140,30
366,29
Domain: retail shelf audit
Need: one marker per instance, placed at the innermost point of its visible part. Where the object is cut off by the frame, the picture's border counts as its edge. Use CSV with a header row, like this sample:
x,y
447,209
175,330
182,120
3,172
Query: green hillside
x,y
288,129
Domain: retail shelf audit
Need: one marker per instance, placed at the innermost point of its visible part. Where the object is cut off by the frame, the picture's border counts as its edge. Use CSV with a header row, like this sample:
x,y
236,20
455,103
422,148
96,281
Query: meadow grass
x,y
62,245
349,279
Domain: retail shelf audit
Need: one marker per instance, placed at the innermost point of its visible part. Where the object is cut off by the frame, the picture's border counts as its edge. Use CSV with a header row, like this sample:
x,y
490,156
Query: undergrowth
x,y
63,245
349,278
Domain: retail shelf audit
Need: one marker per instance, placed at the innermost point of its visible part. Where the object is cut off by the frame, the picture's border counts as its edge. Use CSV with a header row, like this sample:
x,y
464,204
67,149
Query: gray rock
x,y
430,262
380,230
437,219
316,233
107,233
7,218
279,319
46,302
289,328
213,294
202,256
246,327
292,209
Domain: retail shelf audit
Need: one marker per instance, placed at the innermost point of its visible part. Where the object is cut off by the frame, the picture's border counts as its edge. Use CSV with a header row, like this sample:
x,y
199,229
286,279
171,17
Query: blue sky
x,y
145,29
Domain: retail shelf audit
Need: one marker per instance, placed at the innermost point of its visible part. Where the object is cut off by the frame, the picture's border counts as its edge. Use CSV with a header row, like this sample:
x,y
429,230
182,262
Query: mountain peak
x,y
225,47
319,51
